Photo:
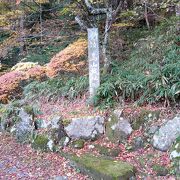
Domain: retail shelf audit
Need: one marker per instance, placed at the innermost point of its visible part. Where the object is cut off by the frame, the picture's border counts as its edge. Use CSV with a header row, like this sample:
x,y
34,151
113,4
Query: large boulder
x,y
24,128
85,128
167,134
118,128
103,168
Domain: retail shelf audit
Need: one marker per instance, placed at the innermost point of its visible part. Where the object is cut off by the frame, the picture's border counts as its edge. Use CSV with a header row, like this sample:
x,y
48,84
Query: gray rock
x,y
167,134
85,128
118,112
64,141
138,143
118,129
55,122
41,123
56,129
175,157
152,130
61,178
174,154
24,128
124,127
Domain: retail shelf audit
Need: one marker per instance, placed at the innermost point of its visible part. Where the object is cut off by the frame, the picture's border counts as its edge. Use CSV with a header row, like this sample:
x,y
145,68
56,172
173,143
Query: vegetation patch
x,y
9,115
69,87
78,144
151,73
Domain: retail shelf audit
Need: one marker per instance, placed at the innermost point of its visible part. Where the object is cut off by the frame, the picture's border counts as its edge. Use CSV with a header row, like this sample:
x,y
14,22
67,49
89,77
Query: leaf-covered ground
x,y
143,159
19,161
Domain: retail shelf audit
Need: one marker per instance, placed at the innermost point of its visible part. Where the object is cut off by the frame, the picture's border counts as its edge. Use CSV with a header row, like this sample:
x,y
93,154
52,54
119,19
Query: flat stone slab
x,y
101,168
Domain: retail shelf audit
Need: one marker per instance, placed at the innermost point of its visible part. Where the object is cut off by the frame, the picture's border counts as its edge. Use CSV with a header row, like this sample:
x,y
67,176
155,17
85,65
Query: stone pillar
x,y
178,16
93,58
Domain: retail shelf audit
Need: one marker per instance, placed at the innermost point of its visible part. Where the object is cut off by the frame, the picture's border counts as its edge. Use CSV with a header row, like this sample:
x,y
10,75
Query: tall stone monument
x,y
93,58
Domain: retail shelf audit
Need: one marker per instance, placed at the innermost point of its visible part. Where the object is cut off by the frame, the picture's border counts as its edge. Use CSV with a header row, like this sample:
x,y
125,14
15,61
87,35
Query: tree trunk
x,y
105,47
22,34
105,53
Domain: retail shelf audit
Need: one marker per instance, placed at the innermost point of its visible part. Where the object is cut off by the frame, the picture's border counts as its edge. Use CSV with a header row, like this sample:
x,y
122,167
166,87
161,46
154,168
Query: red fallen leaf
x,y
18,2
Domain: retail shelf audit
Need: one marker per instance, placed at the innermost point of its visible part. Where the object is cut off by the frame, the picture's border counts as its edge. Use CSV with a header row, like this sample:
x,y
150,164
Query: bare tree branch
x,y
81,22
93,10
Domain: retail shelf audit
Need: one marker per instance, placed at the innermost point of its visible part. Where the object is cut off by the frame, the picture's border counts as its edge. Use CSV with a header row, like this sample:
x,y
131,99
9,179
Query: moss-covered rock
x,y
144,117
101,168
117,129
108,151
40,142
175,157
78,144
137,143
66,122
160,170
109,131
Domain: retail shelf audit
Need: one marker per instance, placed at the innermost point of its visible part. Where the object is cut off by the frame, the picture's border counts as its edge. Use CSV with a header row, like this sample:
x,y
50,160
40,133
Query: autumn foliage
x,y
70,59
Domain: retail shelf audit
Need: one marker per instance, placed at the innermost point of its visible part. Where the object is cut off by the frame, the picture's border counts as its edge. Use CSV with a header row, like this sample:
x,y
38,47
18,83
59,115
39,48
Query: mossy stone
x,y
78,144
108,151
175,168
160,170
144,117
40,142
101,168
29,109
66,122
110,132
